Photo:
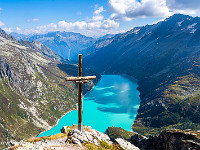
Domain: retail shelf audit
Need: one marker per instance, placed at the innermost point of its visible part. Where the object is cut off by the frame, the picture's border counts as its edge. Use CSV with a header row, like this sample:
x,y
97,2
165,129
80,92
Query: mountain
x,y
164,58
20,36
33,94
106,36
65,44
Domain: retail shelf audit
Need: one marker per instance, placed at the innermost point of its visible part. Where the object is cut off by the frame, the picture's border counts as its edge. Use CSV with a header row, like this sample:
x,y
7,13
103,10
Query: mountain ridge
x,y
65,44
164,59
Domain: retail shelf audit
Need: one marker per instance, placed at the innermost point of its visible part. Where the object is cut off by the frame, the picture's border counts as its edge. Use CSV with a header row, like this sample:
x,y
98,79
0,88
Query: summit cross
x,y
80,80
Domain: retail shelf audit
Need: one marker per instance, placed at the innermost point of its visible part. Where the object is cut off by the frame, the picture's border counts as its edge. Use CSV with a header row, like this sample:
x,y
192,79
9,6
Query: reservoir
x,y
114,101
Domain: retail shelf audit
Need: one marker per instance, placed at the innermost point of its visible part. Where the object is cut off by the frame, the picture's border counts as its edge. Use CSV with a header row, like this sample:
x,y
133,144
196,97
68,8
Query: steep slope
x,y
164,57
32,89
65,44
42,48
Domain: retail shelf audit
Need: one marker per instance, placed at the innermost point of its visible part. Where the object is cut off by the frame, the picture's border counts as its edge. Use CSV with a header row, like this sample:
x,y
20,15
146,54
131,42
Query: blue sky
x,y
88,17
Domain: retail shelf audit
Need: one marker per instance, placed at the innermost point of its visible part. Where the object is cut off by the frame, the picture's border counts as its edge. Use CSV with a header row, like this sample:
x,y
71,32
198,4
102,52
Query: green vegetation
x,y
185,88
164,58
118,132
104,146
44,138
149,131
57,96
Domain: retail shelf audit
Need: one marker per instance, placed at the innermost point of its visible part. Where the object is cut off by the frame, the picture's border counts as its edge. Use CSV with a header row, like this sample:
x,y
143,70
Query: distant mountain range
x,y
65,44
164,57
107,36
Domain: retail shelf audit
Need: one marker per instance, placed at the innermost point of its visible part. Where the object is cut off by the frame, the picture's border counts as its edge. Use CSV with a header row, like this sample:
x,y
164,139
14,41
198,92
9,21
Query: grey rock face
x,y
138,140
28,77
169,140
87,135
126,145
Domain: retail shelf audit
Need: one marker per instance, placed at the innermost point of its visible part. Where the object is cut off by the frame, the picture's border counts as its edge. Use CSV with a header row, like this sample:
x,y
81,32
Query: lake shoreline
x,y
62,116
109,94
56,122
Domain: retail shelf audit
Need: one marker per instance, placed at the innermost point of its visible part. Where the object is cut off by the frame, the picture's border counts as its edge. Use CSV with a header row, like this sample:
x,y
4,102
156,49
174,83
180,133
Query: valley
x,y
163,57
33,92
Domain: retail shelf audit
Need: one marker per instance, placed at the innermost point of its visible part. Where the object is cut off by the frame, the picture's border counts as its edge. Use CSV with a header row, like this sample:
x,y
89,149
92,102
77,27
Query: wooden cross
x,y
80,80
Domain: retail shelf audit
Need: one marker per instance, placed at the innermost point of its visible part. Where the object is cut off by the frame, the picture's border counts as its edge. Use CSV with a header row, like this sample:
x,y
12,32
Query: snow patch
x,y
179,23
192,26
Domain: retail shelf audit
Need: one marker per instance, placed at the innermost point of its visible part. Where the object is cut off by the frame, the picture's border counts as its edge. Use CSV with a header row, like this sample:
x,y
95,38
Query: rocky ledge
x,y
173,139
71,138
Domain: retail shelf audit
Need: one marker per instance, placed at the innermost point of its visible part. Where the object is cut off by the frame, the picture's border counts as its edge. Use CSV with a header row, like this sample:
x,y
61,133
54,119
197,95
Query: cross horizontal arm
x,y
80,78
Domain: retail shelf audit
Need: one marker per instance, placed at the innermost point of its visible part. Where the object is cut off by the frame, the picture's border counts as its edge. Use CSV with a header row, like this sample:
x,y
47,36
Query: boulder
x,y
126,145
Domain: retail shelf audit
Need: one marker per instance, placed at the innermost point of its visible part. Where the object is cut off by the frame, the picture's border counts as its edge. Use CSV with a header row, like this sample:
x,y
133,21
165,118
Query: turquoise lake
x,y
114,101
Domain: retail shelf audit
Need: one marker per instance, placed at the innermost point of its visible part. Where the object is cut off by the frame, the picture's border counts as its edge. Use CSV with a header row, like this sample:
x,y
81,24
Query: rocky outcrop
x,y
89,138
125,144
169,140
87,135
138,140
72,138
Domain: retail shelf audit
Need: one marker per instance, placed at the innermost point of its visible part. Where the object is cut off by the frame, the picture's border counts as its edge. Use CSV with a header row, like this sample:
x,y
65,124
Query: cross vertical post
x,y
80,94
80,80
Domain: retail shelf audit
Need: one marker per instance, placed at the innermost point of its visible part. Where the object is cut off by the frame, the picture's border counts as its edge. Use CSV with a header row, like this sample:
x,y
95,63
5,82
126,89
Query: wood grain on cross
x,y
80,80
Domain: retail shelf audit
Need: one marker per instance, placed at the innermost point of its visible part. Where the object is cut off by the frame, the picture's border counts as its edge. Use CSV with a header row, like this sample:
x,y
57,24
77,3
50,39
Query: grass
x,y
16,121
149,131
118,132
44,138
104,146
185,88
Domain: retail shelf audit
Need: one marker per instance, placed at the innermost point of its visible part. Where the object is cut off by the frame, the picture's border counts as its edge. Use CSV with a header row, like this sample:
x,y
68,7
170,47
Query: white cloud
x,y
33,20
130,9
190,7
109,24
97,25
99,10
1,24
18,29
97,17
8,30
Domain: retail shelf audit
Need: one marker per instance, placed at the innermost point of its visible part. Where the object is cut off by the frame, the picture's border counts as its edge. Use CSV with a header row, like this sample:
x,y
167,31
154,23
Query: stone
x,y
95,142
89,136
173,140
126,145
76,141
137,139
